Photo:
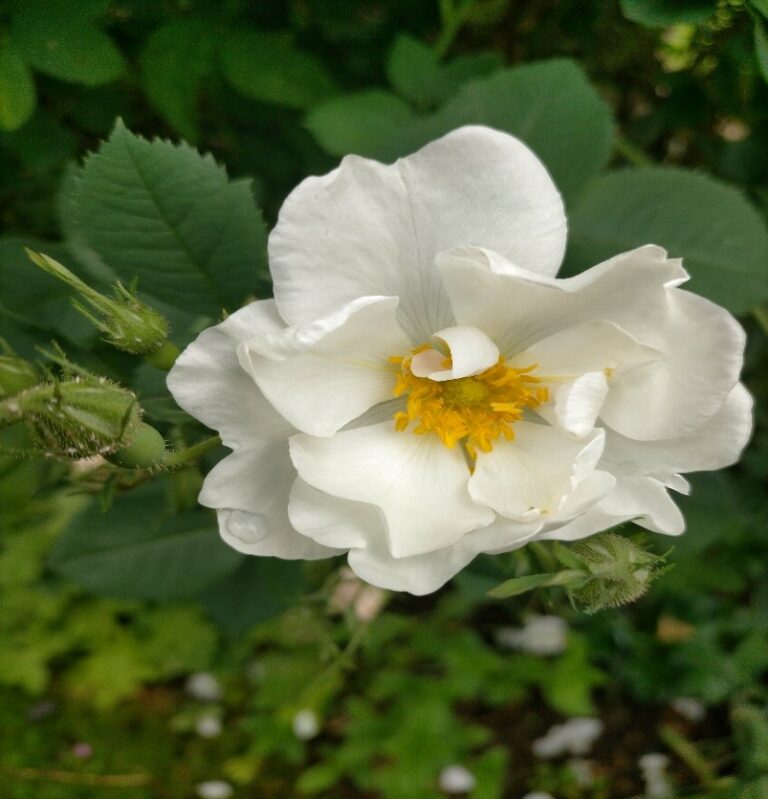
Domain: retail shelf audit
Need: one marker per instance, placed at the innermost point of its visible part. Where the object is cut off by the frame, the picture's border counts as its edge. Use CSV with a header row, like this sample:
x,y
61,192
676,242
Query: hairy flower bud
x,y
16,375
619,571
127,323
76,417
145,450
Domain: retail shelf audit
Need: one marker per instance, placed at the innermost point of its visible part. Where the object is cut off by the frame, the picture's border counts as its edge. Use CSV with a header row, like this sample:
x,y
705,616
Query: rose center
x,y
471,411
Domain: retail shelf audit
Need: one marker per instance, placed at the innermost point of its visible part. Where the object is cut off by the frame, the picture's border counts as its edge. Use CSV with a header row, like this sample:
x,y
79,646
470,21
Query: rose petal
x,y
369,229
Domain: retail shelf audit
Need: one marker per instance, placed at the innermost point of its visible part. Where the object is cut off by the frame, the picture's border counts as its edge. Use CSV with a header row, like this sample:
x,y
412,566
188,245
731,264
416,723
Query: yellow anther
x,y
474,411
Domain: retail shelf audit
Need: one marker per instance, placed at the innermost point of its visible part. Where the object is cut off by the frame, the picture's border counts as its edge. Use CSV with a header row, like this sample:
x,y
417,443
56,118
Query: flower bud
x,y
16,375
76,417
619,571
127,323
145,450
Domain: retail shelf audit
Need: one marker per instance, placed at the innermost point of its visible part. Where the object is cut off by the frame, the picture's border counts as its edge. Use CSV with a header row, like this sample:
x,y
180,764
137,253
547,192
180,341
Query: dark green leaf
x,y
267,66
370,123
60,39
175,59
31,298
415,72
722,239
258,590
137,550
661,13
168,216
549,105
761,46
17,89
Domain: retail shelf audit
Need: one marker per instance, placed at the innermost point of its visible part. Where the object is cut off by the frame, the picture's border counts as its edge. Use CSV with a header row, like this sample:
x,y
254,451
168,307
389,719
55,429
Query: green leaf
x,y
712,226
550,105
61,39
267,66
569,680
259,589
661,13
168,216
761,6
370,123
17,89
137,552
30,297
761,47
519,585
176,58
415,72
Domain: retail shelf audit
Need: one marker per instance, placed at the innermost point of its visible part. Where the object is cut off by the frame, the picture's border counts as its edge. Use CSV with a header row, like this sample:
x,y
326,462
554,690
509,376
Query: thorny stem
x,y
190,454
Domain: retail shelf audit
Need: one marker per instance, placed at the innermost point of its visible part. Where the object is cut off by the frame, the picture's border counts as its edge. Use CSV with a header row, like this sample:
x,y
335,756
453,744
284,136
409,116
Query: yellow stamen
x,y
474,411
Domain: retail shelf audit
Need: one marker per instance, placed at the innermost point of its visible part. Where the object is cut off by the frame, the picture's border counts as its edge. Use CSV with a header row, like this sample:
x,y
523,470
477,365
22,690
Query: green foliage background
x,y
652,117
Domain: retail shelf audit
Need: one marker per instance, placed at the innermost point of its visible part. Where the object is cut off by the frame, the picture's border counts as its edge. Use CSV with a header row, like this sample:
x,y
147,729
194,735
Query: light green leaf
x,y
175,59
549,105
61,39
415,72
519,585
761,6
761,47
370,123
267,66
712,226
138,552
168,216
17,89
568,682
661,13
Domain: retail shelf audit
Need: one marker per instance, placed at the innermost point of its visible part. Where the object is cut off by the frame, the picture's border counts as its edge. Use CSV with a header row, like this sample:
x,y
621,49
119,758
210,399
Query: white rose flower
x,y
423,388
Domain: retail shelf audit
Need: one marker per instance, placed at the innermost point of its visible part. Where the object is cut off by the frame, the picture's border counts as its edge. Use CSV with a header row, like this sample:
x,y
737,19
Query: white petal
x,y
576,365
717,443
361,527
325,373
531,478
419,484
417,574
249,489
208,382
702,343
577,404
470,350
643,500
370,229
334,522
586,347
